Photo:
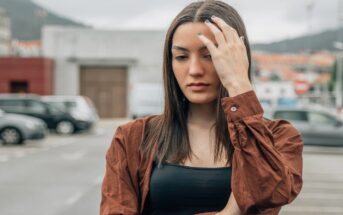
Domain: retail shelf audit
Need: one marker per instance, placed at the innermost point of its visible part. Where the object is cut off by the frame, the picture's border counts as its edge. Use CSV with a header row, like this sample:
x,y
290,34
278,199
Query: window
x,y
35,107
12,105
19,87
321,119
291,115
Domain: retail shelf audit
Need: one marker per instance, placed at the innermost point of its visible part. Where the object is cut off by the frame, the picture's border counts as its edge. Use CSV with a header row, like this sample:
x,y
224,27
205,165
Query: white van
x,y
146,99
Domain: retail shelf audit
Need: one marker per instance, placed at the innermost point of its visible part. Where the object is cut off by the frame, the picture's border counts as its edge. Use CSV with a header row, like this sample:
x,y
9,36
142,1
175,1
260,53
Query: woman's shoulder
x,y
138,125
134,130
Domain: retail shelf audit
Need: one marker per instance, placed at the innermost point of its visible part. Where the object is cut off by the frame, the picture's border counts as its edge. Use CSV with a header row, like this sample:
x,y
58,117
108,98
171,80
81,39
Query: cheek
x,y
179,73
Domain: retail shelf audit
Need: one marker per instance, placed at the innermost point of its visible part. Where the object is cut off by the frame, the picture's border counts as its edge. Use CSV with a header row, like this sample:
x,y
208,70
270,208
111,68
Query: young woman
x,y
211,150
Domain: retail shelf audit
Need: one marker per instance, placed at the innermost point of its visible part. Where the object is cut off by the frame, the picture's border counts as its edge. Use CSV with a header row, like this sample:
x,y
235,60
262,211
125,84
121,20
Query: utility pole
x,y
309,7
308,46
338,87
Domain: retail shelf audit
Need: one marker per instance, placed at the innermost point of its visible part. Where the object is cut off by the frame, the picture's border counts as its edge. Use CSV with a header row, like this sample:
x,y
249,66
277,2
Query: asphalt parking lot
x,y
62,175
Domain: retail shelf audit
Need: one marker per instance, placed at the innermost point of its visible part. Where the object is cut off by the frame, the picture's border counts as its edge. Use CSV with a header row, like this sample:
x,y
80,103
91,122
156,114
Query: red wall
x,y
38,72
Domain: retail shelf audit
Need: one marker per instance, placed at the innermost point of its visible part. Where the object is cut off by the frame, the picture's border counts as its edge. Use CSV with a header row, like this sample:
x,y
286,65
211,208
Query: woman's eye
x,y
208,56
181,57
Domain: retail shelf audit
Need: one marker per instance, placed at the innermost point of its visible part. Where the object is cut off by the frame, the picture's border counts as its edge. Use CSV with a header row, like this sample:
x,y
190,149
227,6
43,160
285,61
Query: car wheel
x,y
11,136
65,127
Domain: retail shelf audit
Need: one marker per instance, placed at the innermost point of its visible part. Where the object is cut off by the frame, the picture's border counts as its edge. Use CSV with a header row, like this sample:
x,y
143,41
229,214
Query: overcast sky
x,y
265,20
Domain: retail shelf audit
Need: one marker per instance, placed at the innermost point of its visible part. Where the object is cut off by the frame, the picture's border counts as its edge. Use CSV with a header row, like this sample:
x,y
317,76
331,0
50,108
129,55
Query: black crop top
x,y
181,190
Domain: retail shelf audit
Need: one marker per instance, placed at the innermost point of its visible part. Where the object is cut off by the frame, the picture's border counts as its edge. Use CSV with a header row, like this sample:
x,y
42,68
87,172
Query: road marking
x,y
330,196
73,156
313,209
322,150
321,185
74,198
99,131
4,158
59,144
19,154
8,153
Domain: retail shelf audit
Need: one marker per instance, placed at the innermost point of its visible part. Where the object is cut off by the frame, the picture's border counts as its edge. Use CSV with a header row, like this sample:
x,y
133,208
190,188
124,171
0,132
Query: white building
x,y
5,33
274,93
104,65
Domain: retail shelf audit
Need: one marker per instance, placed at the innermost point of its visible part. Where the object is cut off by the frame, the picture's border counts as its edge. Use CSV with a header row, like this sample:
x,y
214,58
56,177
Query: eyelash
x,y
208,56
184,57
180,58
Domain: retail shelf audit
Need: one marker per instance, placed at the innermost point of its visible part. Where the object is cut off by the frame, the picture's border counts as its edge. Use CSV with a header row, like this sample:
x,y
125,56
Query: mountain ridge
x,y
27,19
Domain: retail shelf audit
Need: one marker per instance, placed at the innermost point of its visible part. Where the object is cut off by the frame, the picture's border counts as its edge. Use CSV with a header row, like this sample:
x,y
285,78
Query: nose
x,y
195,66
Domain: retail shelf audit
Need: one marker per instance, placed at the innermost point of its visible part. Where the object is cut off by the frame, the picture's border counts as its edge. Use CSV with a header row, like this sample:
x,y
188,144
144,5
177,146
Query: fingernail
x,y
207,21
213,17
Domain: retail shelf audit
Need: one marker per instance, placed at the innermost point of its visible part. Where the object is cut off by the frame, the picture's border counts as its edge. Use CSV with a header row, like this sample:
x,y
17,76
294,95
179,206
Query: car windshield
x,y
58,105
70,105
321,119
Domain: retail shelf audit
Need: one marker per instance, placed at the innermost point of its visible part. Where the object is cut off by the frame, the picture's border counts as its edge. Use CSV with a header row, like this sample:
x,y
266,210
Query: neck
x,y
203,115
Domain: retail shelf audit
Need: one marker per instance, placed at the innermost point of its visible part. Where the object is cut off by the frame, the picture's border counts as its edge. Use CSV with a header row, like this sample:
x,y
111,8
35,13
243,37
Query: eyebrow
x,y
184,49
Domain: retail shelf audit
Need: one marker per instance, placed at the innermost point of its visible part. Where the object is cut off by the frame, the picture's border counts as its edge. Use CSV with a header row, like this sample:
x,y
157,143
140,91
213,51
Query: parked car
x,y
318,127
32,105
79,107
15,128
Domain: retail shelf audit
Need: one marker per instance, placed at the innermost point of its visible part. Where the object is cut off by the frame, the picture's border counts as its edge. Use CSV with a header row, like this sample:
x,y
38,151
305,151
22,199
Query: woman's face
x,y
192,64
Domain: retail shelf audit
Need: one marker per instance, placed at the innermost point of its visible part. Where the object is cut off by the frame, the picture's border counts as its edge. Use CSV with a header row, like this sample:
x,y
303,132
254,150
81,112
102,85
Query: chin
x,y
201,99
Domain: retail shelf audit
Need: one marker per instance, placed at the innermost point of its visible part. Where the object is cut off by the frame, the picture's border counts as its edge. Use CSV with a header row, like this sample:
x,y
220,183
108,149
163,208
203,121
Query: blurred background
x,y
72,71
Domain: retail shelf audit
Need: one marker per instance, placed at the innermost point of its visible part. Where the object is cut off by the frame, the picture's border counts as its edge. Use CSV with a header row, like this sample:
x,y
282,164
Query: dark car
x,y
15,128
80,107
32,105
318,127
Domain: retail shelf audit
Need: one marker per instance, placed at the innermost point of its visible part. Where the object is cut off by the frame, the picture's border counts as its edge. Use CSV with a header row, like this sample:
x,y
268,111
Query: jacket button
x,y
233,108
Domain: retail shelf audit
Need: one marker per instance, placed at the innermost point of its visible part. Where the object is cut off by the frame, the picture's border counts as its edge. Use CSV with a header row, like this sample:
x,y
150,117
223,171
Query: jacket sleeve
x,y
119,195
267,162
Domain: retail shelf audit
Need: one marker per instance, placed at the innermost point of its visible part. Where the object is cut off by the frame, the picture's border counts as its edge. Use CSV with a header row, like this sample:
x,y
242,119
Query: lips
x,y
200,86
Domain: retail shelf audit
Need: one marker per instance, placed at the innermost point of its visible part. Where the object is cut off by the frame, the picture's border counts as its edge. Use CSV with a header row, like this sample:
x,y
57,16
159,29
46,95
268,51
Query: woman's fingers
x,y
230,33
208,43
218,35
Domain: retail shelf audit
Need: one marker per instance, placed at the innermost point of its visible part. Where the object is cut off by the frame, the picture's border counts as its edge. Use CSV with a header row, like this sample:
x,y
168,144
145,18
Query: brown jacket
x,y
266,165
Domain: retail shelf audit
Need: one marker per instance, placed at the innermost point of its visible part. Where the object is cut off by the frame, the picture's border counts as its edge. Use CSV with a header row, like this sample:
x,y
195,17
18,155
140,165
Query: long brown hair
x,y
167,136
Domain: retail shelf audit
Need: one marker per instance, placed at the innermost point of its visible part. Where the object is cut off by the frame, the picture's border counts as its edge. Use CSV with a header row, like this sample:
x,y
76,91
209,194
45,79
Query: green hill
x,y
27,19
315,42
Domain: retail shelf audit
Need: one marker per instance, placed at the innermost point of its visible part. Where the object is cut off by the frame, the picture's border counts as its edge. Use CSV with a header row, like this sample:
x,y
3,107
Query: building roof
x,y
320,59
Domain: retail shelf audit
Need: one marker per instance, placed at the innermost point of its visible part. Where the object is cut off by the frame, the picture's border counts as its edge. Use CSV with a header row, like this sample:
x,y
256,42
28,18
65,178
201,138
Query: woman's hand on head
x,y
229,56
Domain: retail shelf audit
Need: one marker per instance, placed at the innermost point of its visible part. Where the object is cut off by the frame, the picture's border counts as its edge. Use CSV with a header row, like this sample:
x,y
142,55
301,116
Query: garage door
x,y
107,87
